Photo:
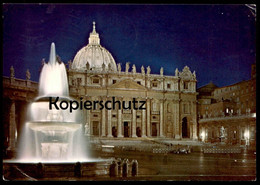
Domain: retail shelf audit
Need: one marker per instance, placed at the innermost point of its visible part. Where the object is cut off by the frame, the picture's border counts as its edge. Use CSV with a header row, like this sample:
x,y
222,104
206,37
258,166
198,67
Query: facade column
x,y
104,81
161,118
103,124
143,123
162,84
148,84
134,123
119,127
109,129
88,123
194,120
148,111
176,119
165,120
12,127
239,134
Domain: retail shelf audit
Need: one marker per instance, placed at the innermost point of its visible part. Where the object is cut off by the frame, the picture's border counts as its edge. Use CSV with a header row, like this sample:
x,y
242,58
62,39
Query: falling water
x,y
53,78
52,135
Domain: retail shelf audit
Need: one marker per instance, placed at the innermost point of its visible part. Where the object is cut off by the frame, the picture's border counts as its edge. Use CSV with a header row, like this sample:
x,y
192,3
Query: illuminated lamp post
x,y
203,136
247,137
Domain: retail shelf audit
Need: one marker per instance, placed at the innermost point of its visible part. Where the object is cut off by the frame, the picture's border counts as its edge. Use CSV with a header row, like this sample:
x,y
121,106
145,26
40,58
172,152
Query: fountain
x,y
53,136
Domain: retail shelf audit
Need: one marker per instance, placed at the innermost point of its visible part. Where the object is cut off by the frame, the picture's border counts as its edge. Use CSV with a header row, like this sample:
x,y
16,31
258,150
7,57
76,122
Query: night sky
x,y
217,41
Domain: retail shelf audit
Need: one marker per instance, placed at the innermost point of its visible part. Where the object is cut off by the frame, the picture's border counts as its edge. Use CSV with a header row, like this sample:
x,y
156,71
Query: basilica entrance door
x,y
154,129
126,129
184,128
114,132
95,128
138,132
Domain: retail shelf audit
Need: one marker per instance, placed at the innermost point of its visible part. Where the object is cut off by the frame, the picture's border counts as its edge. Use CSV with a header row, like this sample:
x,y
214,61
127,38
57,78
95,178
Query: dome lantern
x,y
94,36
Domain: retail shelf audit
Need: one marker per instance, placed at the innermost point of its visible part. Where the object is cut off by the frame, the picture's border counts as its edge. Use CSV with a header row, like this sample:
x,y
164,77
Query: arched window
x,y
186,85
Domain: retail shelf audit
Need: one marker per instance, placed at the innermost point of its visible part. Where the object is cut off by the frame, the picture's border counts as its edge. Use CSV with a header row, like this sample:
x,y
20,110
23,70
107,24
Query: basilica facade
x,y
170,101
169,111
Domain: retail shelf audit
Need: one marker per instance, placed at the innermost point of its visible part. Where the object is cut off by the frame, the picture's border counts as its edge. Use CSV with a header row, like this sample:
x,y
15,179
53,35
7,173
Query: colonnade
x,y
145,119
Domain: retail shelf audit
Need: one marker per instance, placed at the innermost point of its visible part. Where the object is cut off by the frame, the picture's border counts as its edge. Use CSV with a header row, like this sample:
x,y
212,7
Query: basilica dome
x,y
94,54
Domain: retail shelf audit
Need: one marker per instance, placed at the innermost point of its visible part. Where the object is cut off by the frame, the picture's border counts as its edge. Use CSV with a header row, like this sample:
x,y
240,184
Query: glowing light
x,y
52,135
107,146
246,134
226,110
203,135
16,134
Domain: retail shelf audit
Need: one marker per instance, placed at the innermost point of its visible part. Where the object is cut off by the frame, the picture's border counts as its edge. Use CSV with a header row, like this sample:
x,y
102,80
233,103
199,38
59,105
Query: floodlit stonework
x,y
232,108
170,108
170,100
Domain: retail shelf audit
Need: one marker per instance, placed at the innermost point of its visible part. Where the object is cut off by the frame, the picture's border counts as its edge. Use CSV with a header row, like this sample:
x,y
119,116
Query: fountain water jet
x,y
52,135
53,78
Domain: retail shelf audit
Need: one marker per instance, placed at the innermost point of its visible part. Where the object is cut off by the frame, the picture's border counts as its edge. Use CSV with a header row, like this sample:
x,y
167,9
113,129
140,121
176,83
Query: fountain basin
x,y
45,127
19,170
53,141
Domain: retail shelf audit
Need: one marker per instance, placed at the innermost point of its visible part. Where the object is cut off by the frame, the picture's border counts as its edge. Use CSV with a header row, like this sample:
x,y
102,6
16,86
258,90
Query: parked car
x,y
185,149
177,149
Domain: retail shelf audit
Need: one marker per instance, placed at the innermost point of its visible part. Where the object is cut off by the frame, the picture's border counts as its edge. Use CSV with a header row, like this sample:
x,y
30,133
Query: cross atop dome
x,y
94,27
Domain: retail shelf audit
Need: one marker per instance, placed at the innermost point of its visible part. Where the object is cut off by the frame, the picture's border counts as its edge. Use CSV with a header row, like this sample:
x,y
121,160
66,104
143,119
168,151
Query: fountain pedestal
x,y
58,151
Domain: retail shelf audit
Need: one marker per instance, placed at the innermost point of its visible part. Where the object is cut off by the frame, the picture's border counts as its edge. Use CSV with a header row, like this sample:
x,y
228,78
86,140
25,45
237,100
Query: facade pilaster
x,y
134,123
143,123
104,81
176,119
148,111
194,120
119,127
12,127
109,129
88,122
103,123
161,118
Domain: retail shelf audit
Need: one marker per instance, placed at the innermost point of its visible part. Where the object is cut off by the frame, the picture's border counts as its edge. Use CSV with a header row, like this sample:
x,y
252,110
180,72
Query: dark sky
x,y
217,41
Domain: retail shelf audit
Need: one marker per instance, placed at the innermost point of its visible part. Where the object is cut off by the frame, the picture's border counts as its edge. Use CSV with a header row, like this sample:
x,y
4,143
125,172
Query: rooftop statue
x,y
28,75
127,67
133,69
176,72
161,71
148,69
119,67
12,71
142,70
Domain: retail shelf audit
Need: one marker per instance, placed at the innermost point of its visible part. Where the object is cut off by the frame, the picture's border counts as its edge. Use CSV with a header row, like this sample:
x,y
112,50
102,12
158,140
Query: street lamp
x,y
202,135
227,110
247,136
